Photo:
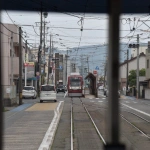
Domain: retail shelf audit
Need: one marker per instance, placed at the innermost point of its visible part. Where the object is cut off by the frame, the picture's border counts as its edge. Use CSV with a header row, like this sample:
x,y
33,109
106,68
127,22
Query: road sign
x,y
60,67
95,72
97,68
29,64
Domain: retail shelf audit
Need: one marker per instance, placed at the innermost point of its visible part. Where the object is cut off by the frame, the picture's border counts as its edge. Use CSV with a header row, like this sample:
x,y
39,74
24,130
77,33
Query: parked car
x,y
101,87
60,88
29,92
48,93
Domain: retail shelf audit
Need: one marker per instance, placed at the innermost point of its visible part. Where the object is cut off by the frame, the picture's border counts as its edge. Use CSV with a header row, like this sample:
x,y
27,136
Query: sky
x,y
94,33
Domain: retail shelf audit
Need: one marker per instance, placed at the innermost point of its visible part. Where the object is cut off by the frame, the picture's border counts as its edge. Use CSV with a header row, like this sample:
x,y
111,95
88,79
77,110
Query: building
x,y
132,65
10,62
147,89
142,49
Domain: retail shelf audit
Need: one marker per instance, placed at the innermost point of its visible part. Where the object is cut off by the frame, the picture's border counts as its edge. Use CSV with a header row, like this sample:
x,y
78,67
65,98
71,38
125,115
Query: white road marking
x,y
101,95
103,98
49,136
127,102
142,112
100,101
65,94
96,98
90,98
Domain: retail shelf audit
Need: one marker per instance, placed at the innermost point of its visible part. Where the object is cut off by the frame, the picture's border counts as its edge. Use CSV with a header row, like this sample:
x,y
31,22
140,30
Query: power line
x,y
35,31
83,29
11,19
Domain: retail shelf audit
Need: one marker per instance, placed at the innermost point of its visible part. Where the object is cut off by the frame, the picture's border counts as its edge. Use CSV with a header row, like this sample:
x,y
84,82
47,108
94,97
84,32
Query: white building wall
x,y
147,69
142,49
6,61
131,66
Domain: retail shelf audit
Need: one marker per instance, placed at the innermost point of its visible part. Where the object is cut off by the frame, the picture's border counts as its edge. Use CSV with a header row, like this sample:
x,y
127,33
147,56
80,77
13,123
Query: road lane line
x,y
49,136
65,94
100,101
142,112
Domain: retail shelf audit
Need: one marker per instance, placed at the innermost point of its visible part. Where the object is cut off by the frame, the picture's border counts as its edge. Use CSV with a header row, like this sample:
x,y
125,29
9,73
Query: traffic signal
x,y
133,45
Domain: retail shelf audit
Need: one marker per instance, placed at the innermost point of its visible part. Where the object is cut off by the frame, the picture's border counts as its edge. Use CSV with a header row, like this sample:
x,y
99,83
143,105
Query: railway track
x,y
139,129
81,104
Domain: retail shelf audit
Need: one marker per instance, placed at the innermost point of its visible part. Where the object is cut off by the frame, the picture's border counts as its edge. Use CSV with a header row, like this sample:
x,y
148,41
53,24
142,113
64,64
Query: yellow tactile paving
x,y
42,107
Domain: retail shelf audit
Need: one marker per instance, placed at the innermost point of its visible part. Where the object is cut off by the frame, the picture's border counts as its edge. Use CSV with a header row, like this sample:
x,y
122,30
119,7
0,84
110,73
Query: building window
x,y
147,63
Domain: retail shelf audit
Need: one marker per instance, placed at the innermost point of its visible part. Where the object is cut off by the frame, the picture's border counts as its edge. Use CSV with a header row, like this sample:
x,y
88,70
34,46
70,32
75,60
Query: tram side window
x,y
75,82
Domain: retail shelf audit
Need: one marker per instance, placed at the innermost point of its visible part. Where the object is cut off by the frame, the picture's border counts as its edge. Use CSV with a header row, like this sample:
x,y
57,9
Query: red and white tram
x,y
75,85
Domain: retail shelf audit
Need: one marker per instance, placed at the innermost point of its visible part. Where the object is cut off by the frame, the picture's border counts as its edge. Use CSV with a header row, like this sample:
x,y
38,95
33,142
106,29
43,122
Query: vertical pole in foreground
x,y
113,74
20,66
1,91
127,73
137,73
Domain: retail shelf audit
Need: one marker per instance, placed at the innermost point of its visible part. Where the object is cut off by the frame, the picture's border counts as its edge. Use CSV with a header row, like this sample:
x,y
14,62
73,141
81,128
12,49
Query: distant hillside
x,y
97,55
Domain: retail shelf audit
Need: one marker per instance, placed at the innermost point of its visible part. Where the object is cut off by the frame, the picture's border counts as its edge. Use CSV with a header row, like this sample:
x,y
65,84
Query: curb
x,y
50,134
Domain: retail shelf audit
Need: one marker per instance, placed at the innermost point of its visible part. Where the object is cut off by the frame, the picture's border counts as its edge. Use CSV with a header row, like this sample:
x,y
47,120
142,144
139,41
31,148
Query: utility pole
x,y
137,79
52,77
127,73
12,52
66,65
40,49
25,76
49,61
44,47
20,66
88,63
39,56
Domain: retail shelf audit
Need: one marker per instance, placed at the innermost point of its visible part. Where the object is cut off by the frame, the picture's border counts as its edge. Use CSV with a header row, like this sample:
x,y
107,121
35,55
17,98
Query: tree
x,y
142,72
132,76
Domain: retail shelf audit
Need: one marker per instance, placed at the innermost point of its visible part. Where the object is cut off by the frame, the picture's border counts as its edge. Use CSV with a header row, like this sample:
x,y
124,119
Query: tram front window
x,y
75,82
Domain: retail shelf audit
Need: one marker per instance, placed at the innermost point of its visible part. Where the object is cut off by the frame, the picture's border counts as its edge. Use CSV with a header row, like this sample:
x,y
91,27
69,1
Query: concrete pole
x,y
44,47
137,76
1,93
41,43
113,74
39,57
20,66
88,63
12,52
66,66
49,61
127,72
25,77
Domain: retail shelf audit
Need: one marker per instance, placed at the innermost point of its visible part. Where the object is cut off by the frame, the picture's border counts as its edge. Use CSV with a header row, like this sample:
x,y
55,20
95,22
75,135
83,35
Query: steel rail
x,y
135,127
137,116
101,137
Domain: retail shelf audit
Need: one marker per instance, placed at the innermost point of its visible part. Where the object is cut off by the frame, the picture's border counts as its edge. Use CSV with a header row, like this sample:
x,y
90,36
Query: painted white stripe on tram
x,y
142,112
